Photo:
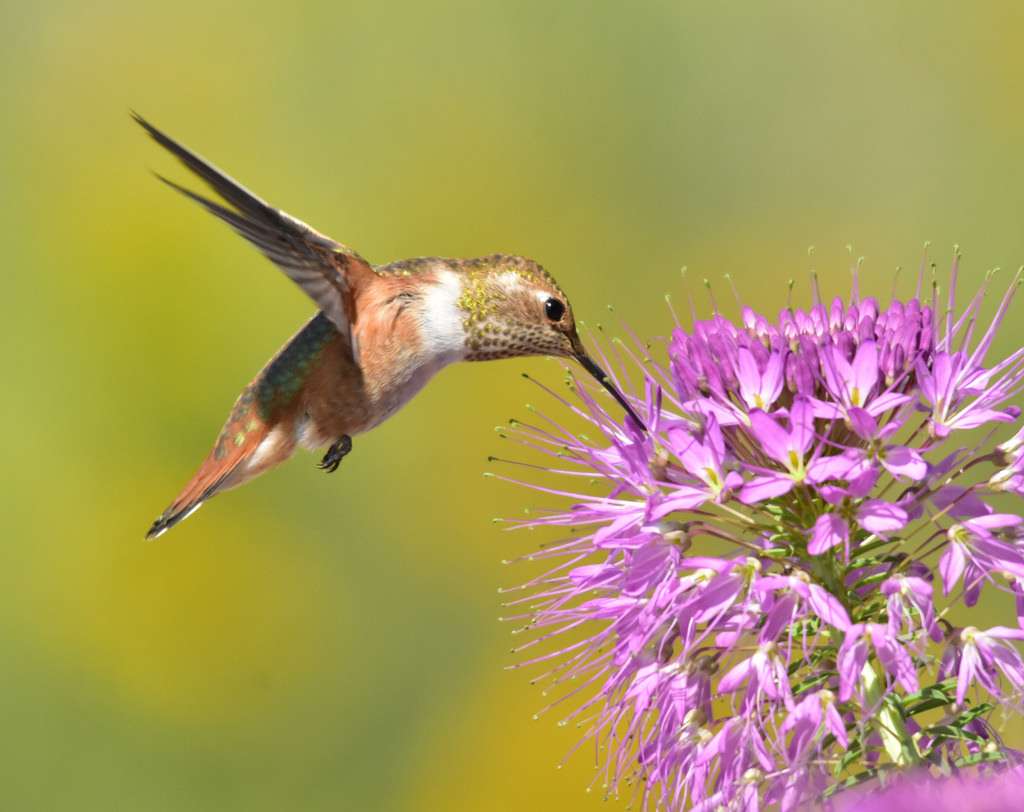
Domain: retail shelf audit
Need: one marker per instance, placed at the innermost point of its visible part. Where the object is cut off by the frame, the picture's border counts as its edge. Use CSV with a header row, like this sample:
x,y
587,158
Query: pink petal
x,y
837,371
772,379
979,417
748,375
616,527
736,676
861,484
683,497
829,531
961,502
865,371
714,440
836,466
766,486
826,410
801,418
877,516
851,661
994,521
905,462
883,403
828,608
951,566
772,438
1005,633
894,657
862,422
834,723
969,663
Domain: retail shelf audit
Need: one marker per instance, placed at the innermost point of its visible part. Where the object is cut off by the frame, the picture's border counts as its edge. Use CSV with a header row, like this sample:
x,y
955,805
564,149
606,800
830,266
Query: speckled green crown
x,y
504,323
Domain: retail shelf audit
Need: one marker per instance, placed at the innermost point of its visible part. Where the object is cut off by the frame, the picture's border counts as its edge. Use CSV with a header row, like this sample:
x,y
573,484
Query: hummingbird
x,y
379,335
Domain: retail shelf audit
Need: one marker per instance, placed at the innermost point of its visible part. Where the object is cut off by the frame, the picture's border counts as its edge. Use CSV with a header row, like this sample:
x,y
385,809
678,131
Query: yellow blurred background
x,y
331,642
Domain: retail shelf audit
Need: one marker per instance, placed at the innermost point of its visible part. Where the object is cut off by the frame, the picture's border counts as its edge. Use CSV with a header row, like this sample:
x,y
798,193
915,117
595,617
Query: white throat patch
x,y
442,318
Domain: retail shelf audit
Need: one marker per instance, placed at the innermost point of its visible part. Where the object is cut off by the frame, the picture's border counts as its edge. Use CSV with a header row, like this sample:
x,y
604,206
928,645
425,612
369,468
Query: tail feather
x,y
237,456
198,490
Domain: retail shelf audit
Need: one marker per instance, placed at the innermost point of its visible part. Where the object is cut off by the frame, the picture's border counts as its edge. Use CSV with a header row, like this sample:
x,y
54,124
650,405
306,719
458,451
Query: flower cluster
x,y
999,793
758,596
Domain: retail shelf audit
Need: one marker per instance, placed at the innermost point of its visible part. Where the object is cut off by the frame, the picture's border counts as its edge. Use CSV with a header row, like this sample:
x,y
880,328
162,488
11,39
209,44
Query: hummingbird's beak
x,y
588,364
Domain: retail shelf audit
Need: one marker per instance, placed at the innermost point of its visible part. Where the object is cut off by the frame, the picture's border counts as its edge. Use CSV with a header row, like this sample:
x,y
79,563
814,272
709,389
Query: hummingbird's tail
x,y
246,447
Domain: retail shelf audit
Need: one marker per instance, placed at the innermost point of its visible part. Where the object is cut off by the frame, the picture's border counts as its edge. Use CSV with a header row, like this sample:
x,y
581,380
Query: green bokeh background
x,y
330,642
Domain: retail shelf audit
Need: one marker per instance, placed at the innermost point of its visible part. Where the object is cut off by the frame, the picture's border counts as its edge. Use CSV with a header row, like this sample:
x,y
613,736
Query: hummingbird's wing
x,y
326,270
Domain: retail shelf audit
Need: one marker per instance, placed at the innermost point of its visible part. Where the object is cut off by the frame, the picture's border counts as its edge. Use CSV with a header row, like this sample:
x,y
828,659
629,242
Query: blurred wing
x,y
327,271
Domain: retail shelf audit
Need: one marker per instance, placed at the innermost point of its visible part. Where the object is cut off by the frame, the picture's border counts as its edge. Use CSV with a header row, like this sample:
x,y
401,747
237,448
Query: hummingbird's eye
x,y
554,309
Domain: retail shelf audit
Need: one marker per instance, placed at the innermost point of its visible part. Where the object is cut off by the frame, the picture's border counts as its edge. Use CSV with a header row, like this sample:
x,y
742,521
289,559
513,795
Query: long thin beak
x,y
588,364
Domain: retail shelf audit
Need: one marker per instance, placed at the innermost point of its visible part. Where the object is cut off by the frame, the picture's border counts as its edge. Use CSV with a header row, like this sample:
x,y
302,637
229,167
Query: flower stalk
x,y
896,739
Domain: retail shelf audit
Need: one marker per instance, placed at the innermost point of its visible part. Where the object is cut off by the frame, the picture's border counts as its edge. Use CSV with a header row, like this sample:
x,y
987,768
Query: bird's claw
x,y
332,459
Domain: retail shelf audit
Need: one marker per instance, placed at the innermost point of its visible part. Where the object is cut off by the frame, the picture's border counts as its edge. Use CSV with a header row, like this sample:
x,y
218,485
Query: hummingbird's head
x,y
513,307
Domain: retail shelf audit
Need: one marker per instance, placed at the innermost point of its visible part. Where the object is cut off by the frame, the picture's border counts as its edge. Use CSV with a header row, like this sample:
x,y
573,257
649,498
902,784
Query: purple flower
x,y
853,655
1011,477
765,674
830,530
852,384
786,447
975,550
759,386
702,460
819,601
898,460
745,603
910,607
966,792
961,396
873,515
984,655
808,721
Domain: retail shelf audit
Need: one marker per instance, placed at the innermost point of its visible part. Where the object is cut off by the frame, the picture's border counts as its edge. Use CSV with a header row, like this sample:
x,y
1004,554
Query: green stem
x,y
891,727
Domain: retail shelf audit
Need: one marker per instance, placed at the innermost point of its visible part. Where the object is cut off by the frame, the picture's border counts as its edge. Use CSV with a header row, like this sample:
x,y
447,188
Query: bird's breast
x,y
399,371
406,338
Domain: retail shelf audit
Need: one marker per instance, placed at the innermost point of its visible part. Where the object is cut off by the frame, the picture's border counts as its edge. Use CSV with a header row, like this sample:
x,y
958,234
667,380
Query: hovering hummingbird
x,y
380,334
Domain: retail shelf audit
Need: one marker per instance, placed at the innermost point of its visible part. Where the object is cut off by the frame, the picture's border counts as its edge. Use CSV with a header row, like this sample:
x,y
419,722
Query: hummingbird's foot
x,y
332,459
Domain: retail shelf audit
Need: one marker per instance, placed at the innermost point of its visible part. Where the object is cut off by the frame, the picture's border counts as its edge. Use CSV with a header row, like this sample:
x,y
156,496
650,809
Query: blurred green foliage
x,y
315,642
